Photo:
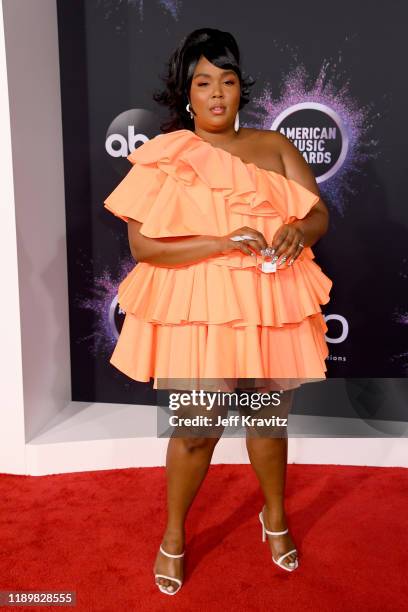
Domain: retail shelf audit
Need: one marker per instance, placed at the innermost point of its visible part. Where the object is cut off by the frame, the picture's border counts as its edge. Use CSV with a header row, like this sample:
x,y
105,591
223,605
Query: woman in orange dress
x,y
204,203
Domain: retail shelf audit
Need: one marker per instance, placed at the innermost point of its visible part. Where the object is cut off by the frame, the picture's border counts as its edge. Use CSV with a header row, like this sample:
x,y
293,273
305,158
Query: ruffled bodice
x,y
181,185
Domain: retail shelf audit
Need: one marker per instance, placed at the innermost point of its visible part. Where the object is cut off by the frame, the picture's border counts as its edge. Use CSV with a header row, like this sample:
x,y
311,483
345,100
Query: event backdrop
x,y
329,79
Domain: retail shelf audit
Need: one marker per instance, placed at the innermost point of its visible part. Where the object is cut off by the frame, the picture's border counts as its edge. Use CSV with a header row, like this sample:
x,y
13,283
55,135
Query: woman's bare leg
x,y
187,461
268,457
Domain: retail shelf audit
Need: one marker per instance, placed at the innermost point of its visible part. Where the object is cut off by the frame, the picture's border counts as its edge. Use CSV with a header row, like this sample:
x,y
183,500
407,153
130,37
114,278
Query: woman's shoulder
x,y
264,148
270,139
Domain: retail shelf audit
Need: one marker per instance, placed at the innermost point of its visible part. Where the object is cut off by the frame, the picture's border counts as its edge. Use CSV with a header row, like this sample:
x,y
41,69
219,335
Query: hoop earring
x,y
236,122
188,109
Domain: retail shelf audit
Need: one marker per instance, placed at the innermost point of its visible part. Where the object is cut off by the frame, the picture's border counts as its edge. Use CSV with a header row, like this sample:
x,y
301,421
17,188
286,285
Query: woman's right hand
x,y
256,243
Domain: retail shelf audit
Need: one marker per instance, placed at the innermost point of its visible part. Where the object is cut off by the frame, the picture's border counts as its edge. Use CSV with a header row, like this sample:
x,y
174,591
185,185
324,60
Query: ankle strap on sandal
x,y
169,555
276,532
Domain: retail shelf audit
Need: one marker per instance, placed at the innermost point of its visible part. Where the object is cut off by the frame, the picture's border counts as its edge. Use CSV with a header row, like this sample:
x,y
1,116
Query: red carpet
x,y
98,533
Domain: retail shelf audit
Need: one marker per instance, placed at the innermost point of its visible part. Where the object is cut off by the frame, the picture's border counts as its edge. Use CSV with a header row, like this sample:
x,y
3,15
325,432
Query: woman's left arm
x,y
315,224
292,237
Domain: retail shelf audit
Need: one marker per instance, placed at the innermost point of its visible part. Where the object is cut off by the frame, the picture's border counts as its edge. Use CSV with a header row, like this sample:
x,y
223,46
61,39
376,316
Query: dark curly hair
x,y
219,48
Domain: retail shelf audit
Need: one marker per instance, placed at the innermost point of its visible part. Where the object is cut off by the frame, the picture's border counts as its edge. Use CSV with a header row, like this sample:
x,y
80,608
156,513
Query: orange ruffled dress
x,y
220,318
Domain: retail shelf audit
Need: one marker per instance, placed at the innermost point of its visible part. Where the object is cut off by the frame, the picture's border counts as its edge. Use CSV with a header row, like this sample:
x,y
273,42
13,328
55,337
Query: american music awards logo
x,y
318,132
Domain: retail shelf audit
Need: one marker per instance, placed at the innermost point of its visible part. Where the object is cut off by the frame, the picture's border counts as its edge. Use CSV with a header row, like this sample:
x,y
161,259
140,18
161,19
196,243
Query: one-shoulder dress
x,y
220,318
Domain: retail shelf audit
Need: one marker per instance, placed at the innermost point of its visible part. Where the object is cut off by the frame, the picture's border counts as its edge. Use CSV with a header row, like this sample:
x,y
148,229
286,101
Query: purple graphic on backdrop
x,y
355,123
103,303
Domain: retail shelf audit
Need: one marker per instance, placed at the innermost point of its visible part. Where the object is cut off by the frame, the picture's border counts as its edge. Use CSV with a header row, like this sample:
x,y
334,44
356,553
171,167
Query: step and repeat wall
x,y
331,81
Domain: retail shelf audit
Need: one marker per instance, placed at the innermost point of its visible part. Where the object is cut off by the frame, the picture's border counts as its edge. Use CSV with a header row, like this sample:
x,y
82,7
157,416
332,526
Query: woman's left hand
x,y
288,242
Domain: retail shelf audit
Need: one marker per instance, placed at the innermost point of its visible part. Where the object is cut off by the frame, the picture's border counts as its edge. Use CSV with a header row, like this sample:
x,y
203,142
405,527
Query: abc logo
x,y
127,131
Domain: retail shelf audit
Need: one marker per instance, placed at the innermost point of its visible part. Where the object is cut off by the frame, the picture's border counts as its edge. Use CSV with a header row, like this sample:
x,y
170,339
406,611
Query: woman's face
x,y
213,87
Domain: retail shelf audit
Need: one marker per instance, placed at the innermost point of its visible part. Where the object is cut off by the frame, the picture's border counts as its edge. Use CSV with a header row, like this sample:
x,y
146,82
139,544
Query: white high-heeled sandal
x,y
163,588
276,533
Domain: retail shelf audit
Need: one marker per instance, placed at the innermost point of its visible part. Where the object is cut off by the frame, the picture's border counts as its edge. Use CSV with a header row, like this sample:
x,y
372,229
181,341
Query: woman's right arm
x,y
174,251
